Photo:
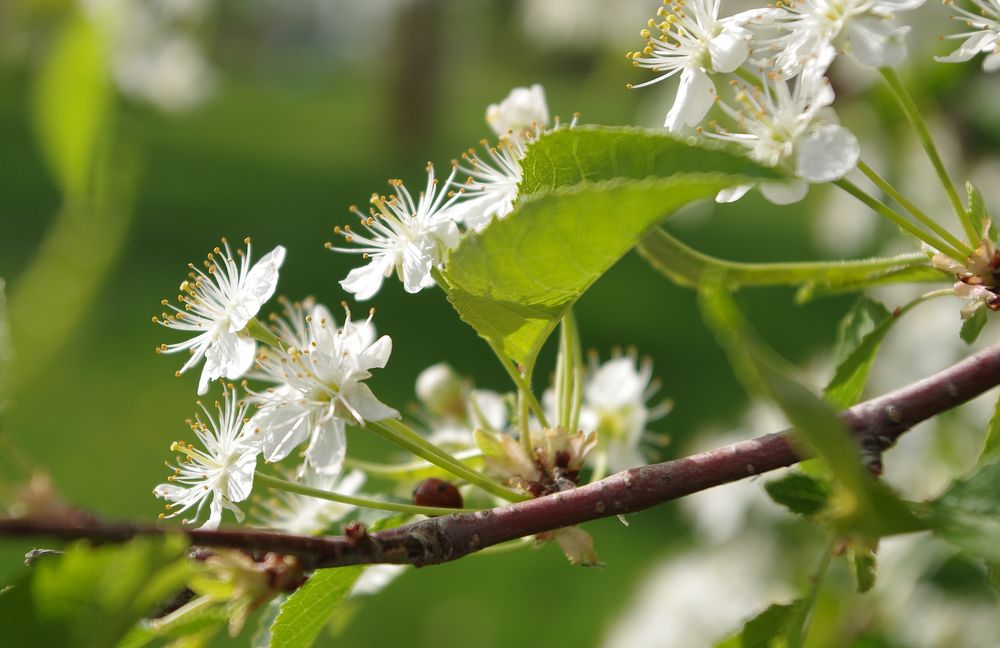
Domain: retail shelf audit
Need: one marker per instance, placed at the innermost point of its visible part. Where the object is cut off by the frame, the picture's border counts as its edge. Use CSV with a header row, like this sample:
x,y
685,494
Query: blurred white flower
x,y
524,110
375,578
812,28
692,40
790,126
306,515
217,304
154,57
615,396
983,35
700,595
406,237
221,471
319,386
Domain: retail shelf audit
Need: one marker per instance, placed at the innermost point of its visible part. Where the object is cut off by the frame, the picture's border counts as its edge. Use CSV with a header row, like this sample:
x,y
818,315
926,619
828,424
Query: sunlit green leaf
x,y
199,620
684,266
514,282
972,327
859,337
765,630
968,513
799,493
593,153
71,102
306,611
991,445
588,195
92,596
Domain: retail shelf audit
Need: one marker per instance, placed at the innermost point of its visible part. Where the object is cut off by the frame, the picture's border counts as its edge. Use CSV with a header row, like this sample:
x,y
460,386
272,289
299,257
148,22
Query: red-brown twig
x,y
877,423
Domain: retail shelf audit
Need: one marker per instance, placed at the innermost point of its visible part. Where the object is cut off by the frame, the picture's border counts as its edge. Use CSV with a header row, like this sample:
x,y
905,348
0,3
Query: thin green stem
x,y
570,356
523,430
522,384
748,76
923,133
396,432
798,625
887,212
917,213
409,469
363,502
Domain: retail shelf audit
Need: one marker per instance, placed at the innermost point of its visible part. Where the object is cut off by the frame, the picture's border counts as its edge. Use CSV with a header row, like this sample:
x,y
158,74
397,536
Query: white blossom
x,y
221,470
403,236
812,28
523,111
983,35
492,179
790,127
615,397
319,386
217,303
692,41
305,515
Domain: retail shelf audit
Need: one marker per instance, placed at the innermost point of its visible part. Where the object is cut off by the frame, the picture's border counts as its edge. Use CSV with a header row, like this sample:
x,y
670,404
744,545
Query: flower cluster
x,y
410,237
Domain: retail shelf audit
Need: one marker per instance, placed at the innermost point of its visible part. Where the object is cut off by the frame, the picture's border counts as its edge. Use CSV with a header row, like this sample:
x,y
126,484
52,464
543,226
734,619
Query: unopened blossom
x,y
616,406
691,40
220,472
982,35
402,236
319,386
216,304
304,515
811,28
790,127
522,112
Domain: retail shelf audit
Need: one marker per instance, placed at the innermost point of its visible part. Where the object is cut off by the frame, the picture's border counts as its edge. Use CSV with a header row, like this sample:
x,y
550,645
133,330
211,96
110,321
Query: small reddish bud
x,y
437,492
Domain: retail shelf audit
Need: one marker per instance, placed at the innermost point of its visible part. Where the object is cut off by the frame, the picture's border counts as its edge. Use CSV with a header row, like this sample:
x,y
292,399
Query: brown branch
x,y
877,423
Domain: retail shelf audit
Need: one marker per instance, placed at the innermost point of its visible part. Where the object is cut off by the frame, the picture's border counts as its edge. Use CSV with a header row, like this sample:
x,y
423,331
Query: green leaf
x,y
864,564
92,596
684,266
71,104
991,445
588,195
764,630
968,513
864,317
799,493
866,504
977,210
972,327
305,612
859,337
592,153
514,282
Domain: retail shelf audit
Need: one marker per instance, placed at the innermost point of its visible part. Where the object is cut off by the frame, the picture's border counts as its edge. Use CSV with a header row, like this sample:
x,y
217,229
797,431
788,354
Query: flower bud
x,y
439,388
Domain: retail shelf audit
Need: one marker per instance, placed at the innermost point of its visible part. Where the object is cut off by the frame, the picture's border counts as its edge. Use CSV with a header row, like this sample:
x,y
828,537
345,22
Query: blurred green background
x,y
311,109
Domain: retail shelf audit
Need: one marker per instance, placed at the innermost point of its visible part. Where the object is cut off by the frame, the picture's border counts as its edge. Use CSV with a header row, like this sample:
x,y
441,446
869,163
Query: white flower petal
x,y
876,41
729,49
826,153
366,280
784,193
732,194
364,403
258,287
694,98
328,447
